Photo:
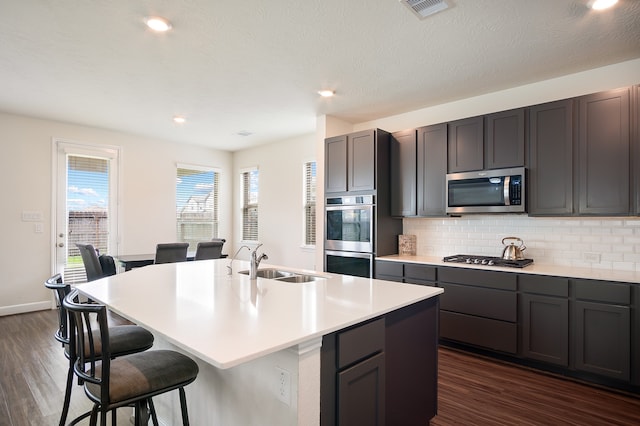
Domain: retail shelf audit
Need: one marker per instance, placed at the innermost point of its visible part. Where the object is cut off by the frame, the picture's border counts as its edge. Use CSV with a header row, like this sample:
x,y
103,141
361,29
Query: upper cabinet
x,y
432,170
403,173
466,145
550,184
604,153
335,160
351,161
504,140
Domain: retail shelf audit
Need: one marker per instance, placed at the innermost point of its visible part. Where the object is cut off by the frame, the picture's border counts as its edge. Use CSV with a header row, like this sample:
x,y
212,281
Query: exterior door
x,y
85,211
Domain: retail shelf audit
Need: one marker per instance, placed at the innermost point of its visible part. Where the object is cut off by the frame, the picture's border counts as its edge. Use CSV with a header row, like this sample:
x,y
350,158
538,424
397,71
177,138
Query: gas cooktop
x,y
487,260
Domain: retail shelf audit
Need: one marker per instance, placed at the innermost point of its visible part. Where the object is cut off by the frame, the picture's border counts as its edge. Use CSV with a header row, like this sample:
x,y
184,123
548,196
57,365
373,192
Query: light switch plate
x,y
31,216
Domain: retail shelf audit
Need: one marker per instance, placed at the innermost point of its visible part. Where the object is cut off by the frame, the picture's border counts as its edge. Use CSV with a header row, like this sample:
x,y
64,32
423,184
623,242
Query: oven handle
x,y
349,254
351,207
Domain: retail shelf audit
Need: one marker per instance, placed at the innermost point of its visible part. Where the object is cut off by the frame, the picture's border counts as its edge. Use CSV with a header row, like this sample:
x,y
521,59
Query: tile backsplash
x,y
603,243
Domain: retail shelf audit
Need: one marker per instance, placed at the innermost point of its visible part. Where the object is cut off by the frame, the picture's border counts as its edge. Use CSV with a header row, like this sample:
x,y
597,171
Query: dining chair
x,y
123,339
95,265
171,252
209,250
129,380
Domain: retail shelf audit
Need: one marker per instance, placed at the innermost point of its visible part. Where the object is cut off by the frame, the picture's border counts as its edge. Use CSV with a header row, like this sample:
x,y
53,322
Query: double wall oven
x,y
349,237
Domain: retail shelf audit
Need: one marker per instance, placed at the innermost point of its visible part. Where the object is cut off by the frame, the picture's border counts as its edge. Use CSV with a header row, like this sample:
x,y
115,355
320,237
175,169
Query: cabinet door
x,y
635,147
362,160
550,185
466,145
335,160
602,339
604,153
505,139
403,173
361,393
432,170
545,328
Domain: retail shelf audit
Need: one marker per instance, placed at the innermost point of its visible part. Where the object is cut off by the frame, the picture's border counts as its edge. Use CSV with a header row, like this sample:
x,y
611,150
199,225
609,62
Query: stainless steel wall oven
x,y
349,223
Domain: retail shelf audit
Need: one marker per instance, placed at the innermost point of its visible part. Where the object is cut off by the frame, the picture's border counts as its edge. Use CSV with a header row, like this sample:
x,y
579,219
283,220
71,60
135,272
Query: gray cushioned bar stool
x,y
124,339
130,380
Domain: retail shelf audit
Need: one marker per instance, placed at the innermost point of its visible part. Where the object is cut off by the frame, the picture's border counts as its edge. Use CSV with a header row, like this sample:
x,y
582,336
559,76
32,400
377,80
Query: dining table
x,y
130,261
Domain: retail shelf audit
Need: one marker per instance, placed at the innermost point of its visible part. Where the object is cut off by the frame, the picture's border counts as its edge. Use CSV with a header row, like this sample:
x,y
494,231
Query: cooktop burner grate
x,y
487,260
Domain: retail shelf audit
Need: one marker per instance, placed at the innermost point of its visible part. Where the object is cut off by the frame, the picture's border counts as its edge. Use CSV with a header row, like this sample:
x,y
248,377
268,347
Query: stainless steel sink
x,y
300,278
270,273
286,276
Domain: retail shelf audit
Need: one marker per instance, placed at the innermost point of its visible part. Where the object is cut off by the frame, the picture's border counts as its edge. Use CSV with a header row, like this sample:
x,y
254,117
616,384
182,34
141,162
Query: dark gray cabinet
x,y
604,153
335,160
479,308
412,273
550,183
465,143
544,317
403,173
602,328
504,140
383,371
351,160
432,170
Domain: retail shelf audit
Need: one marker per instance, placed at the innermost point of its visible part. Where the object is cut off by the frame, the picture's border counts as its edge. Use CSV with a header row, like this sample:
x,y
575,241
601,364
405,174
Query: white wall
x,y
280,200
147,204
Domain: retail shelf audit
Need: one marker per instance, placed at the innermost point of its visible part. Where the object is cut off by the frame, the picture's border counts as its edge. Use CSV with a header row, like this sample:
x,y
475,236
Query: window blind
x,y
249,181
197,207
87,211
310,203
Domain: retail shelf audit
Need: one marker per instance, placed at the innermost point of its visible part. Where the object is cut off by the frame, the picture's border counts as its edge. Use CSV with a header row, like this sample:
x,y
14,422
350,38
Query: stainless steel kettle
x,y
511,251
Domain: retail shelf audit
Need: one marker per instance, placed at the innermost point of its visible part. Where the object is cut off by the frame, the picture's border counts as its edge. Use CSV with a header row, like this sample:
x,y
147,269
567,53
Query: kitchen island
x,y
257,342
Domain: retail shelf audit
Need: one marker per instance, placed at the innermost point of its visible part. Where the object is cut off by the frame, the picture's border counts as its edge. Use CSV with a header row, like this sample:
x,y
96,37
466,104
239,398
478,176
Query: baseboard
x,y
23,309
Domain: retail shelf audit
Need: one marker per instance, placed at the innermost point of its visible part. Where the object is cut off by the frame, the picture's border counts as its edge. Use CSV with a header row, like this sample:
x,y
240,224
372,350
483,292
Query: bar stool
x,y
127,380
124,339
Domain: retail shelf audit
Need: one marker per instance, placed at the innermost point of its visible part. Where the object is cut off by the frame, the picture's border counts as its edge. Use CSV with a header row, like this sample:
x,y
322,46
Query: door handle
x,y
60,244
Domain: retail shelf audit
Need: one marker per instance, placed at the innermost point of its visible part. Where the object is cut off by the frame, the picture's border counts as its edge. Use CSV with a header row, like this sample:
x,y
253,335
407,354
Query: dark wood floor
x,y
472,390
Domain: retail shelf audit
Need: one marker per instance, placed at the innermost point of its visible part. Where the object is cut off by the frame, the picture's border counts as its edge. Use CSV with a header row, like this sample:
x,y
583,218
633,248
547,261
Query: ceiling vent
x,y
424,8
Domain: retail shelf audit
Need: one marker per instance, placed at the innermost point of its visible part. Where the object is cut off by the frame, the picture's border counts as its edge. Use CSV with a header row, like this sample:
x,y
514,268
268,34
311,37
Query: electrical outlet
x,y
592,257
283,389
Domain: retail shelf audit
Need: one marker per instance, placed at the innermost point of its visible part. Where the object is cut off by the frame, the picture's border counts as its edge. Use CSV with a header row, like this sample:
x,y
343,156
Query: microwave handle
x,y
507,196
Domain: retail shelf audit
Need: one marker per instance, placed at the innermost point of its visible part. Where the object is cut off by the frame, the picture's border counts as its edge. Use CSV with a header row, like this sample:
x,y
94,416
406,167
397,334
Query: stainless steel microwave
x,y
487,191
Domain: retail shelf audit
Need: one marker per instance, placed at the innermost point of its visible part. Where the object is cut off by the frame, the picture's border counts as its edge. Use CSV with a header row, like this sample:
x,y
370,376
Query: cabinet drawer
x,y
360,342
413,271
488,303
548,286
602,291
389,268
489,279
488,333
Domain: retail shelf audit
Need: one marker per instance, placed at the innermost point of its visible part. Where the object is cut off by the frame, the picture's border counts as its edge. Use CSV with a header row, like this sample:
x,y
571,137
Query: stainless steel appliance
x,y
487,260
349,223
349,263
486,191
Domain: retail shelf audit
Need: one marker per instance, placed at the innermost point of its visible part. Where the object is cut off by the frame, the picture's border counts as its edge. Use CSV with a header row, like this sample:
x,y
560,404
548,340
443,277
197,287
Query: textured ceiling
x,y
233,66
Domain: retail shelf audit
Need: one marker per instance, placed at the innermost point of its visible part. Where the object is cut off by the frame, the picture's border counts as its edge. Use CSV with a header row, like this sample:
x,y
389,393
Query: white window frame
x,y
245,205
308,206
216,199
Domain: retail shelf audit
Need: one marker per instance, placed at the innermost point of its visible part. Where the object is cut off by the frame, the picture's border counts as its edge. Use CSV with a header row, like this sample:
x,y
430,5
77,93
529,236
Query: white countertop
x,y
535,268
228,320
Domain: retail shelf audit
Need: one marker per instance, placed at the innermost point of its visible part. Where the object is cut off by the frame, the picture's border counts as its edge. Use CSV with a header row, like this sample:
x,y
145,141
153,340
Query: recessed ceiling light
x,y
178,119
326,93
601,4
157,23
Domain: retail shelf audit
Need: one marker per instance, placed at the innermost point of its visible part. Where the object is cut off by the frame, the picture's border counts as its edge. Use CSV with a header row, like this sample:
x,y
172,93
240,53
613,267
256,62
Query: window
x,y
249,181
310,203
197,191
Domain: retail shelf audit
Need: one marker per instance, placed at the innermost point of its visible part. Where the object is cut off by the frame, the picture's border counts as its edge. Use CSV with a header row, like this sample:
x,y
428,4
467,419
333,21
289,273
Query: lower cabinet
x,y
602,328
544,315
383,372
412,273
479,308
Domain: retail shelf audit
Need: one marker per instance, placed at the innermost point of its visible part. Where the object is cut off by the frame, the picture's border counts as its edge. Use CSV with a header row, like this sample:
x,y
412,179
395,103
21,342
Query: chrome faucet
x,y
230,265
255,262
